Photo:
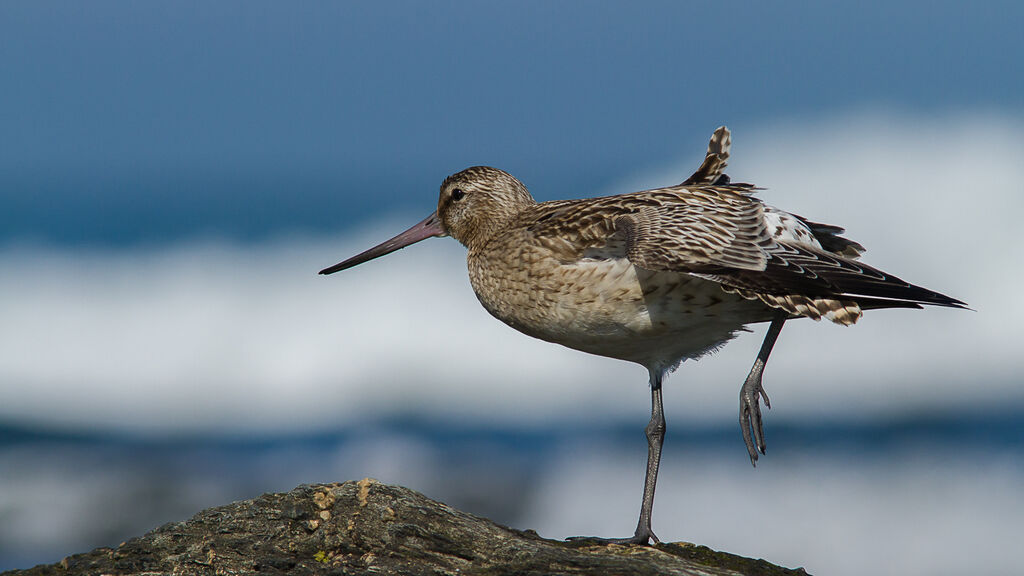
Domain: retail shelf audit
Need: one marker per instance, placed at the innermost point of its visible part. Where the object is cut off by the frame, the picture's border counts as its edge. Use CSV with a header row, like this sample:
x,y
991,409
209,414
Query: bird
x,y
655,277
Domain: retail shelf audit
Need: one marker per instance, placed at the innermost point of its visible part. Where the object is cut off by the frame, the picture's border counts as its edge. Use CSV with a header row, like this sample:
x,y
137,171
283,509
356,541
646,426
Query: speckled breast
x,y
608,306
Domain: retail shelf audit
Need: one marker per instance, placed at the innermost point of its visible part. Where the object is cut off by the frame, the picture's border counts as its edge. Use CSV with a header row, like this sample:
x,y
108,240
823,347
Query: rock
x,y
367,527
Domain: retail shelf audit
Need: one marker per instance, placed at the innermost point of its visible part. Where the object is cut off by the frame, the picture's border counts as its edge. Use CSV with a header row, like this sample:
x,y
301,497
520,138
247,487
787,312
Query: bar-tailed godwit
x,y
655,277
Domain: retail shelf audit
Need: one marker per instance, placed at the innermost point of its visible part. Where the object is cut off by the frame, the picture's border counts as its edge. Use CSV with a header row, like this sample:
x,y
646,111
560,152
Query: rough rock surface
x,y
366,527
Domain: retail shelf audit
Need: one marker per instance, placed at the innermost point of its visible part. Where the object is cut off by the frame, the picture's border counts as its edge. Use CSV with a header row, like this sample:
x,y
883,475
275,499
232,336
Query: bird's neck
x,y
499,218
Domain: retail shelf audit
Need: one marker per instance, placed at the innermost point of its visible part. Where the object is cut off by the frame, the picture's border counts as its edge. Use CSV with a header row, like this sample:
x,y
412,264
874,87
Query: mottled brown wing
x,y
691,230
722,236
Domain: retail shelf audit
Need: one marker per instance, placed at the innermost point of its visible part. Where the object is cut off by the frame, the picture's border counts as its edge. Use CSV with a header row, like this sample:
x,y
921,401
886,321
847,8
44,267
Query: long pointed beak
x,y
428,228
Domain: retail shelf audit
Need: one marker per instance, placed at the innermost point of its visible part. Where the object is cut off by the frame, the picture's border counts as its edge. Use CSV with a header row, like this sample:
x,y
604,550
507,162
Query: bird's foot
x,y
750,413
641,538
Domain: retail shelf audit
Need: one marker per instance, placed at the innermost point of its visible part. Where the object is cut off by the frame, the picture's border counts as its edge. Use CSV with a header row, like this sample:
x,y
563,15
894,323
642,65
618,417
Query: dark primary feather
x,y
807,271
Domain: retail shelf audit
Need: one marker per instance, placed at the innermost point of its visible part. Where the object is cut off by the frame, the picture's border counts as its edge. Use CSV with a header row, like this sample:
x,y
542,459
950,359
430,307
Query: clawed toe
x,y
750,415
641,539
751,422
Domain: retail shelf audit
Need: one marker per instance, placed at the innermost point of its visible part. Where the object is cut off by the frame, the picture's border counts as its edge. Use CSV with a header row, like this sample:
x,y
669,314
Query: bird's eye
x,y
458,194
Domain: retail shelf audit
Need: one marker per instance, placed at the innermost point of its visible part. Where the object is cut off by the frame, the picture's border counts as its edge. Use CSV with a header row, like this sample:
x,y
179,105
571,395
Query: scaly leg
x,y
752,392
655,437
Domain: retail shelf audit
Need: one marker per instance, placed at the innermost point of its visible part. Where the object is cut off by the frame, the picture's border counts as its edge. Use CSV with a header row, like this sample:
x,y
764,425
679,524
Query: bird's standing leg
x,y
655,437
752,392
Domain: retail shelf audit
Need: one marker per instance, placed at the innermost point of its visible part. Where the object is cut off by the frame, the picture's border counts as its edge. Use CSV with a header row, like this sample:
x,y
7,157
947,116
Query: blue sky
x,y
128,123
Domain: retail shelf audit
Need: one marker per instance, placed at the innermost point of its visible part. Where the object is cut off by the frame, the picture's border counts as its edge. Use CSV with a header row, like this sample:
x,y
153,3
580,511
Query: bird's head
x,y
473,205
476,202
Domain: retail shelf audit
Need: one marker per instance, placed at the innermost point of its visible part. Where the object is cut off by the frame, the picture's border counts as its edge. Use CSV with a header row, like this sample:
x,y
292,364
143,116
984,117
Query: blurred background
x,y
173,175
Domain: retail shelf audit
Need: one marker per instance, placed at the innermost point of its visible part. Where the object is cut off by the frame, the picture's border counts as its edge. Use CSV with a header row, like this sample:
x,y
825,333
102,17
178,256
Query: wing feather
x,y
702,228
722,236
816,273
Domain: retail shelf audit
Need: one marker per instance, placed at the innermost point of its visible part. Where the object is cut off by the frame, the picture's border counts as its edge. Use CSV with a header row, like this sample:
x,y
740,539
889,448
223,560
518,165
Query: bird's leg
x,y
752,392
655,437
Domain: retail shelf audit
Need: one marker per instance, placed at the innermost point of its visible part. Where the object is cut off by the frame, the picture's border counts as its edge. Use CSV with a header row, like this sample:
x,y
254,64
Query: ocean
x,y
938,495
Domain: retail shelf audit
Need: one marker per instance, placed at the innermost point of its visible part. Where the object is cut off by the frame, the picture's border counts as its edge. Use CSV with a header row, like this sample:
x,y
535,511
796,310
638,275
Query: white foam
x,y
225,336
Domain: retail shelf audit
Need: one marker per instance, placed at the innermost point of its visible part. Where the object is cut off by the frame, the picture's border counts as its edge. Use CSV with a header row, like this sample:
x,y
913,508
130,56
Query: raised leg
x,y
655,437
752,392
